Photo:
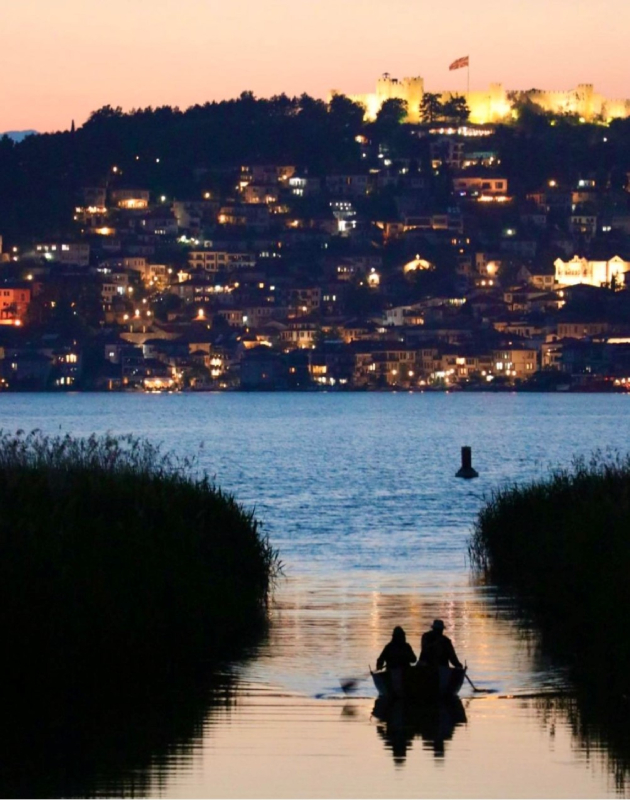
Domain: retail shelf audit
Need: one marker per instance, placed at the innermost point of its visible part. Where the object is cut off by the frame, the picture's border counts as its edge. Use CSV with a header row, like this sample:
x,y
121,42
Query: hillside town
x,y
442,255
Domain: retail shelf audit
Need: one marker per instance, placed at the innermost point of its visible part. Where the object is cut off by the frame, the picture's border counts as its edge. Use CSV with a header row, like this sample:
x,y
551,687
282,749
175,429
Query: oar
x,y
478,691
350,685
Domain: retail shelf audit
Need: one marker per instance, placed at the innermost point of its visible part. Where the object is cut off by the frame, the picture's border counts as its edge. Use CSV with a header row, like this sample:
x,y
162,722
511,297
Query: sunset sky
x,y
64,58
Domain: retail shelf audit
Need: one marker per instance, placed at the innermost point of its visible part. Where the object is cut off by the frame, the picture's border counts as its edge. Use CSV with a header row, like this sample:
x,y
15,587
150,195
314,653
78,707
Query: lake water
x,y
358,493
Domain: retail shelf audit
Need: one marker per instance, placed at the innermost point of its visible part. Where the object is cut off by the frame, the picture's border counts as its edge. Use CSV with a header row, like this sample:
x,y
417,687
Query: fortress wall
x,y
413,93
371,103
615,109
492,104
557,102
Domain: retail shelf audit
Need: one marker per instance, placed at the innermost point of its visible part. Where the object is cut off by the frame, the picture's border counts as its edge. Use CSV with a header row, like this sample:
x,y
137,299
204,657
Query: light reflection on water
x,y
278,746
358,493
324,630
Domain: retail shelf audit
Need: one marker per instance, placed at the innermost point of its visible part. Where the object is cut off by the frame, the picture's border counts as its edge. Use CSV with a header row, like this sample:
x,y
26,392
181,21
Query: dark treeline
x,y
540,145
40,177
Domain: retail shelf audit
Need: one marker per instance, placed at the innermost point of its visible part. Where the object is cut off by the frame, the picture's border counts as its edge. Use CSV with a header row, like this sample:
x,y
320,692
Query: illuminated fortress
x,y
495,103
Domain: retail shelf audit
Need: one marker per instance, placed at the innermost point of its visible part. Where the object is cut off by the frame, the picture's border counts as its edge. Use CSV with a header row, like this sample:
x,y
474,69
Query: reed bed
x,y
562,545
117,559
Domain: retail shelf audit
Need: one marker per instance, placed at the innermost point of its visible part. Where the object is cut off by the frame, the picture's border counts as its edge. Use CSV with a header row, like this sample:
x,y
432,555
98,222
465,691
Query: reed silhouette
x,y
113,550
561,544
126,579
560,547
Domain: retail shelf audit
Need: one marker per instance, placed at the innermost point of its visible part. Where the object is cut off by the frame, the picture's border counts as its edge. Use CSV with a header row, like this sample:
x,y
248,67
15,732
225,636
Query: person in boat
x,y
396,654
436,649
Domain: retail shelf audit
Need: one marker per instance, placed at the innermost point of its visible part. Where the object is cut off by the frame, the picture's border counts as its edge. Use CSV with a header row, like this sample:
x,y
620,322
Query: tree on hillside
x,y
456,109
312,109
391,113
430,107
387,127
344,113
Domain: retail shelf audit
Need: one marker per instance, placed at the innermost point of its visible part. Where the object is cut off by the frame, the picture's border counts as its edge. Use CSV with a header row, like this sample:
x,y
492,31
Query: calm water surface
x,y
358,493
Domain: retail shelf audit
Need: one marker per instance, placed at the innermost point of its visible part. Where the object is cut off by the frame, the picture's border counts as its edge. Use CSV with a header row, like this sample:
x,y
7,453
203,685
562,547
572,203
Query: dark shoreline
x,y
330,390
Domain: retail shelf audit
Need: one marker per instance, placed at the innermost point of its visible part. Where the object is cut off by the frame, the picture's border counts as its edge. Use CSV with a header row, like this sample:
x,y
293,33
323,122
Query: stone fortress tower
x,y
494,104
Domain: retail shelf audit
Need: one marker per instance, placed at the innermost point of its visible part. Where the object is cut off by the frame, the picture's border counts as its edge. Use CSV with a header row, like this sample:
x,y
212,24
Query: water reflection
x,y
598,724
596,718
435,723
90,741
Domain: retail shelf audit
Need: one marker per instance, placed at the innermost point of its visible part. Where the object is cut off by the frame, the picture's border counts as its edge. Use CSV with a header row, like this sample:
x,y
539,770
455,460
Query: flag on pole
x,y
460,63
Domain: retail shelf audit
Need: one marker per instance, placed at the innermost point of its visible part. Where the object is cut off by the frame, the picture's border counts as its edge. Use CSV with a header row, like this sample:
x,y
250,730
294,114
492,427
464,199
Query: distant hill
x,y
17,135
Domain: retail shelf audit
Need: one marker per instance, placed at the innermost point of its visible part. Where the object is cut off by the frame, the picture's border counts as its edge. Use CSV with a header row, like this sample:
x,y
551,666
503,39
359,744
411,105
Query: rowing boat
x,y
419,684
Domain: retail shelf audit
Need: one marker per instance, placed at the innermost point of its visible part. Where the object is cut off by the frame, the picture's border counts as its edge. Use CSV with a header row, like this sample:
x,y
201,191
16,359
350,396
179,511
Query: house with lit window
x,y
94,196
14,303
300,334
581,329
159,222
437,221
384,364
515,362
130,199
74,253
259,315
478,185
583,224
303,300
454,365
268,174
260,193
250,215
235,317
220,260
66,366
305,185
446,150
538,277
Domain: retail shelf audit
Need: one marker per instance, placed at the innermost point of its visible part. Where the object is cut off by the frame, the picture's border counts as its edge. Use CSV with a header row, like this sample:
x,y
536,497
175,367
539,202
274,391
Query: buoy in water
x,y
466,470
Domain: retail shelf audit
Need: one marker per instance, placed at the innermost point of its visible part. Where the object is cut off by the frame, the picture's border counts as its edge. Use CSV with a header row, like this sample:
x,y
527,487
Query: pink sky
x,y
62,59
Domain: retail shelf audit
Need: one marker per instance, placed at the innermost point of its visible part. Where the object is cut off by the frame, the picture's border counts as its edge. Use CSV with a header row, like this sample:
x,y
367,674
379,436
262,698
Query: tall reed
x,y
563,545
117,558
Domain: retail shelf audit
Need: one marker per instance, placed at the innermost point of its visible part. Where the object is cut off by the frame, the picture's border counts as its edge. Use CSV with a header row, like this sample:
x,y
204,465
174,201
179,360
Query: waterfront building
x,y
515,362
